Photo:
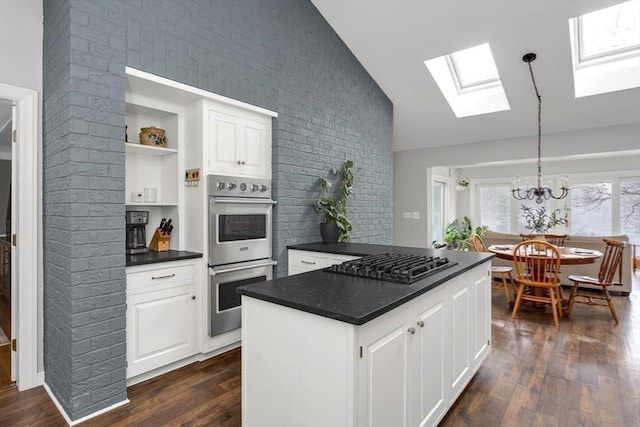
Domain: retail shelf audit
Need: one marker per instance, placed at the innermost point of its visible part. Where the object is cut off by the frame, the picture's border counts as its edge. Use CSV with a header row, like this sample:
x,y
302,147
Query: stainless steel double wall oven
x,y
239,244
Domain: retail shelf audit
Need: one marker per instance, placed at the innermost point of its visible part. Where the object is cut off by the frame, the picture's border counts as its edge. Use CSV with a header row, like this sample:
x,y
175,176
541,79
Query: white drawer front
x,y
158,278
303,261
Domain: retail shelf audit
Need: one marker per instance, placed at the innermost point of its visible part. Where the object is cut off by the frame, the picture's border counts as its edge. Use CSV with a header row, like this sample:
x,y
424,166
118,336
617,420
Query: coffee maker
x,y
136,237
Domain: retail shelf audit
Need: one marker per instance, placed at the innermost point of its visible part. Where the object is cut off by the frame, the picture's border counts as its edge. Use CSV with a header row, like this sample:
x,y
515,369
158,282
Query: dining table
x,y
568,256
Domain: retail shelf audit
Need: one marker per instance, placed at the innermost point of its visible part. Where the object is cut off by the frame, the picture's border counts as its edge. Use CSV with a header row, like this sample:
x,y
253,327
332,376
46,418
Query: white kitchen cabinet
x,y
481,325
403,372
404,368
303,261
385,371
430,367
238,141
161,315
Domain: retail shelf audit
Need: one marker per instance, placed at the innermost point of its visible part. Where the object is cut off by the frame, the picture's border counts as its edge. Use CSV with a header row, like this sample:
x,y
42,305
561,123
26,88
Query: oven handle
x,y
244,267
243,201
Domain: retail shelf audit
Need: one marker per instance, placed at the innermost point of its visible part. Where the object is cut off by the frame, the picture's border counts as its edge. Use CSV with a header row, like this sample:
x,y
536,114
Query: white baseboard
x,y
85,418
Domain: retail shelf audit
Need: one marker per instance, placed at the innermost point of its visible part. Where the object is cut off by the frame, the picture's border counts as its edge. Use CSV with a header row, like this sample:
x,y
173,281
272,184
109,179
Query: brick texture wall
x,y
83,179
277,54
281,55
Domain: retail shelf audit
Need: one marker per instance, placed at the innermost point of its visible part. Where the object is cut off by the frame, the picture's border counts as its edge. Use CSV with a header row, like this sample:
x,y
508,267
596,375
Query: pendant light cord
x,y
533,79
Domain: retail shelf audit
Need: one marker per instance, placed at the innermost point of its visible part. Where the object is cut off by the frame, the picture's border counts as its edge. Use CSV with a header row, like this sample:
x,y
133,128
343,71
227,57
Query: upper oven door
x,y
239,229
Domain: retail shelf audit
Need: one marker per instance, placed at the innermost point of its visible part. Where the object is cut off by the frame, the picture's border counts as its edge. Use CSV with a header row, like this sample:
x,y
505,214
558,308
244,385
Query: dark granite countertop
x,y
356,249
350,299
153,257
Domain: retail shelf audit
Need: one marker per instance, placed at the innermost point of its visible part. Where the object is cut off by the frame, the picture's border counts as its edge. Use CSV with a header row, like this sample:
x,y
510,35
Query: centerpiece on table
x,y
337,225
540,222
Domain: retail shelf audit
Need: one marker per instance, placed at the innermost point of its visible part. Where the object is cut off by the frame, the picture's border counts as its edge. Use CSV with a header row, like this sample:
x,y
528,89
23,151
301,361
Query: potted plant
x,y
540,222
337,225
458,234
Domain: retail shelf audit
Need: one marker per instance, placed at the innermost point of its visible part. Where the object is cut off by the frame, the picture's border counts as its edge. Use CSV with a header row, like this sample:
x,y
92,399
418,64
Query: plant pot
x,y
329,232
541,238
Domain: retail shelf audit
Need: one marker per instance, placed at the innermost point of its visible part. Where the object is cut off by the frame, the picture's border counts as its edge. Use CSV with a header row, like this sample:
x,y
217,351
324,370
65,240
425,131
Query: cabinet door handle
x,y
242,162
238,162
308,262
193,297
411,330
163,277
420,323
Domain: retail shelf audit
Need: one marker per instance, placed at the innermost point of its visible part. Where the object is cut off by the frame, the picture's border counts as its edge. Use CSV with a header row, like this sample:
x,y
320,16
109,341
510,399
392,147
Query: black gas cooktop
x,y
393,267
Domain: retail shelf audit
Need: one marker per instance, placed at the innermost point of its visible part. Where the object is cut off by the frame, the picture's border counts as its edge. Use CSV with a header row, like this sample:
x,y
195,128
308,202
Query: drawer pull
x,y
163,277
308,262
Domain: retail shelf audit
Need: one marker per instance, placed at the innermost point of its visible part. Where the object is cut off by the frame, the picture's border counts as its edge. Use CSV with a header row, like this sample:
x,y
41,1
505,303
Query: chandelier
x,y
538,193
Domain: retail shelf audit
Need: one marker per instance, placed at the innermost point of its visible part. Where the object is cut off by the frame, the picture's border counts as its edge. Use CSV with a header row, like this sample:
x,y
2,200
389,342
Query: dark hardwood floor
x,y
5,350
586,372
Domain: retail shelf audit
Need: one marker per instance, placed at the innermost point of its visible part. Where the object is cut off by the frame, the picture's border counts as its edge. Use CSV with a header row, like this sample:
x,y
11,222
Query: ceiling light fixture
x,y
538,193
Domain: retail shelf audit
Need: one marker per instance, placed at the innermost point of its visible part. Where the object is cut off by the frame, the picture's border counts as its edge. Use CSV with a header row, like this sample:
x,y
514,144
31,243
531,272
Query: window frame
x,y
580,178
445,181
607,56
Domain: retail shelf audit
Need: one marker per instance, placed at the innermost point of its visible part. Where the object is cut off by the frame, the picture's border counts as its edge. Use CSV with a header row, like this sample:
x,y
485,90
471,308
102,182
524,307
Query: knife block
x,y
159,242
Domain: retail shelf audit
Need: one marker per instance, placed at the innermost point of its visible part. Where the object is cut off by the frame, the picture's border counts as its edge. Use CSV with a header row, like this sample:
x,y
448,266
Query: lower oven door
x,y
224,301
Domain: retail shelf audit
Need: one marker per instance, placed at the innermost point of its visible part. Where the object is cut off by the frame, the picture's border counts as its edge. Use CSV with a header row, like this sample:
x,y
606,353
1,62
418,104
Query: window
x,y
438,211
591,213
469,81
609,31
474,67
630,208
596,206
605,49
495,209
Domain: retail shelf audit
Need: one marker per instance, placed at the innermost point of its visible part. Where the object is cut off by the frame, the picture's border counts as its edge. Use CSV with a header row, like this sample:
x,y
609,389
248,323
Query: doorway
x,y
24,285
6,125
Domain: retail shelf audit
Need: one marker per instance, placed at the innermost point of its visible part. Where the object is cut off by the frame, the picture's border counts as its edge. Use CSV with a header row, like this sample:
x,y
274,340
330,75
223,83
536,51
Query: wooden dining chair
x,y
555,239
477,244
611,264
536,264
530,236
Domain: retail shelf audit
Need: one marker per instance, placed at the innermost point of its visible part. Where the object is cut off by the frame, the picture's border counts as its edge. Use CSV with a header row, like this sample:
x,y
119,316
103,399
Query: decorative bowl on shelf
x,y
153,136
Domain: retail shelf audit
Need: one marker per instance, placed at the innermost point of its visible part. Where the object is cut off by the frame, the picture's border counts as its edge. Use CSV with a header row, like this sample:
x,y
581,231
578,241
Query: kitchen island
x,y
322,348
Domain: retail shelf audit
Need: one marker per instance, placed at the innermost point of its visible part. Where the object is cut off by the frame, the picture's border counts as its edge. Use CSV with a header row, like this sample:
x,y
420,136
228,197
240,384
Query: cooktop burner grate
x,y
393,267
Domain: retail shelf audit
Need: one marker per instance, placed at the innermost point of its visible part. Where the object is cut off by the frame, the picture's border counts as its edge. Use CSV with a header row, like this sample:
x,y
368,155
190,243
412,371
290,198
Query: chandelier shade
x,y
539,193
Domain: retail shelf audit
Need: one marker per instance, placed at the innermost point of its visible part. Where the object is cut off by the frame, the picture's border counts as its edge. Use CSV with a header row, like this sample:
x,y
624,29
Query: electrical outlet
x,y
406,215
416,215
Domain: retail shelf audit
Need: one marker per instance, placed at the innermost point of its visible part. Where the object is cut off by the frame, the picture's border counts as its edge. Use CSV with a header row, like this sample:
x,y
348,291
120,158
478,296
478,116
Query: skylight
x,y
608,31
606,49
474,66
469,81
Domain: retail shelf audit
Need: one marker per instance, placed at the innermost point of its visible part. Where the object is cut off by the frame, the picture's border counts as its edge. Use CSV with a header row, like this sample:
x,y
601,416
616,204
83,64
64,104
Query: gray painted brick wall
x,y
277,54
83,180
281,55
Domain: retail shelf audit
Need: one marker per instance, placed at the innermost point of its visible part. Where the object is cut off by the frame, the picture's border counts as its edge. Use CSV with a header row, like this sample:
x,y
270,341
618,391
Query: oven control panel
x,y
233,186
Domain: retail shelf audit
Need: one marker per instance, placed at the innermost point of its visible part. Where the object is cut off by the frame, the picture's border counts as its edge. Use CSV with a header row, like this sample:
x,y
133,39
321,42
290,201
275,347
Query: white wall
x,y
21,35
566,152
410,183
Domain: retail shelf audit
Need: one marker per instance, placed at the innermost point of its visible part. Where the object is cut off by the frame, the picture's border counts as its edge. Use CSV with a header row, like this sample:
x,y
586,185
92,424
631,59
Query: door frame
x,y
26,225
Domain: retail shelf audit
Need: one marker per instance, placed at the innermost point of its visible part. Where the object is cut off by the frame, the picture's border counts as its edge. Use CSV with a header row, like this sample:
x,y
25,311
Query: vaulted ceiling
x,y
393,38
